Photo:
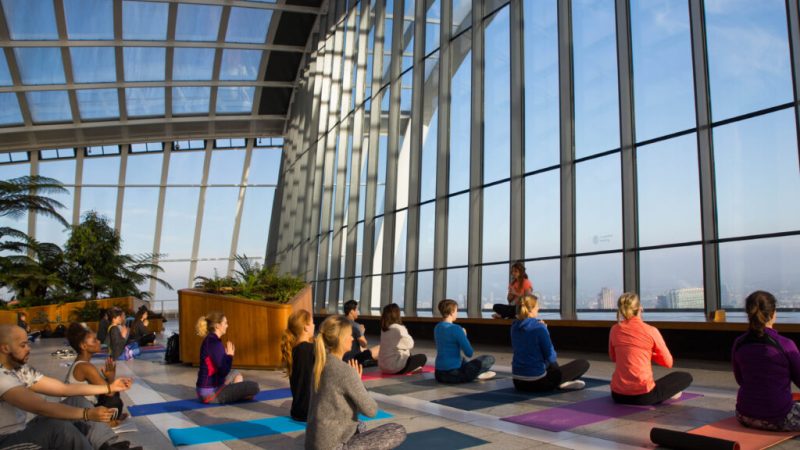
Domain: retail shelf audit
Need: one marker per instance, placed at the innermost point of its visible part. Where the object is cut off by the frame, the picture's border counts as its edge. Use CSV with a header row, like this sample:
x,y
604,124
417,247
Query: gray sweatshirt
x,y
396,345
333,413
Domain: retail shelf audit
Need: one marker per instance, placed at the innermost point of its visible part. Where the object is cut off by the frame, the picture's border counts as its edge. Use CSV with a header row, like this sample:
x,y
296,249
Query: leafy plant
x,y
253,281
90,312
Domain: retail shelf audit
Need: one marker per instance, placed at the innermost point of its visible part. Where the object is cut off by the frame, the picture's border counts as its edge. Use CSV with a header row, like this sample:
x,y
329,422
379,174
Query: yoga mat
x,y
747,438
439,438
686,441
480,400
404,388
378,375
562,418
186,405
231,431
148,349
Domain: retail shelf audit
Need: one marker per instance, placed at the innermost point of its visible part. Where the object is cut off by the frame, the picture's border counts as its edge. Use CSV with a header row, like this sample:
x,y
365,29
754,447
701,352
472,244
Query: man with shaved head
x,y
19,384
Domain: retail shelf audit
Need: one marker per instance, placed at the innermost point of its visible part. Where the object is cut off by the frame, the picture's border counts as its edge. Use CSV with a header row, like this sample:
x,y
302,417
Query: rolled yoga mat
x,y
378,375
147,349
730,430
687,441
190,404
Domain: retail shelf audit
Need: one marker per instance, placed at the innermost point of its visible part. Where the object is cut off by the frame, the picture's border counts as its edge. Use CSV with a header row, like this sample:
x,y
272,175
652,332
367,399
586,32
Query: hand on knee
x,y
238,378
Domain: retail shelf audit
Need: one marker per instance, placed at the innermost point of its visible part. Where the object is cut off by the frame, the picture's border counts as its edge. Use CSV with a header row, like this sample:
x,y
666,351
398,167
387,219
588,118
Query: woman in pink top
x,y
632,345
519,287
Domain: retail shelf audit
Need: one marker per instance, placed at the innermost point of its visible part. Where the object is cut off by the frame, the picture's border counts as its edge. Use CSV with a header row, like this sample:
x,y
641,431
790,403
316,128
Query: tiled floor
x,y
409,400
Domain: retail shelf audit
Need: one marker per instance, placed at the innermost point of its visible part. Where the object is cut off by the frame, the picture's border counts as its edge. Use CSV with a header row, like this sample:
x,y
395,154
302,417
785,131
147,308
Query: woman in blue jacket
x,y
534,367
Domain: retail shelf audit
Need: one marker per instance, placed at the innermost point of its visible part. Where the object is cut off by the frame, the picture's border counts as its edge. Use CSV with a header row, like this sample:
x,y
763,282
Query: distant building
x,y
687,298
606,299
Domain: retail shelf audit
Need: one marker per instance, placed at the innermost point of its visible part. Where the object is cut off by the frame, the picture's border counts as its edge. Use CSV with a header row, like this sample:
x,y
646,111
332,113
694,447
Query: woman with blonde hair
x,y
216,382
632,345
297,355
396,344
534,367
339,396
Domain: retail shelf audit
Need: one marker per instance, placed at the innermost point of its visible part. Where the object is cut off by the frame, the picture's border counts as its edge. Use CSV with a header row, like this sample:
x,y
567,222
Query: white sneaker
x,y
488,375
677,396
574,385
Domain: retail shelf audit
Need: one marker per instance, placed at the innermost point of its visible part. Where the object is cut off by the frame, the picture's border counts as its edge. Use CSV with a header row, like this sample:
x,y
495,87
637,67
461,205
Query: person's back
x,y
533,350
396,345
214,363
300,379
633,345
450,342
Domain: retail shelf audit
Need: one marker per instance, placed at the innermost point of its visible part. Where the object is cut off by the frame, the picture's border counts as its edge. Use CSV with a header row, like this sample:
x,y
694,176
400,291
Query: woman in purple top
x,y
216,382
765,365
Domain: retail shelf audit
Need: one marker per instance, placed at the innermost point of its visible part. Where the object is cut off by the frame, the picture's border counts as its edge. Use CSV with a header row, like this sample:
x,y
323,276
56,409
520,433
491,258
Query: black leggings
x,y
665,388
554,377
414,362
505,311
147,339
111,401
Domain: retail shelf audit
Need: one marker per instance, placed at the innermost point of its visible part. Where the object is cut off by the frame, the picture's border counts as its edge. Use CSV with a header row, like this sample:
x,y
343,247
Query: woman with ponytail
x,y
519,287
765,365
339,396
216,382
632,345
534,366
297,354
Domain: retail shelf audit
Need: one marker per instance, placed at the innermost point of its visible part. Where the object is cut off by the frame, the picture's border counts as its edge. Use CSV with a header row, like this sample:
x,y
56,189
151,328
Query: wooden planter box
x,y
255,326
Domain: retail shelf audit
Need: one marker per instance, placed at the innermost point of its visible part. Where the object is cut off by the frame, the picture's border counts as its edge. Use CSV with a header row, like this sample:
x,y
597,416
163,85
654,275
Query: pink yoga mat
x,y
567,417
378,375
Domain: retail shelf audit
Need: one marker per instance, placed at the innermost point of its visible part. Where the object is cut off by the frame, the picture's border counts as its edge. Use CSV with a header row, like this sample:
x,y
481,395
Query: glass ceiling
x,y
77,63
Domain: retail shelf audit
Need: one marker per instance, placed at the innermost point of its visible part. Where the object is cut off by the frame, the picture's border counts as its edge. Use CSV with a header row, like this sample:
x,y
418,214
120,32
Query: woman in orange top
x,y
520,287
632,345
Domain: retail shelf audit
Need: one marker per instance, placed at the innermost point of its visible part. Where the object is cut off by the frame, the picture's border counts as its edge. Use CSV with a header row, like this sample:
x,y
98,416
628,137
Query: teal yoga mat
x,y
231,431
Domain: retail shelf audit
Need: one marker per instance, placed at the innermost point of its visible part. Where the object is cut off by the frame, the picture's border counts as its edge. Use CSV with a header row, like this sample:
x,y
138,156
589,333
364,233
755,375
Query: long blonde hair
x,y
526,305
206,324
294,328
328,339
627,306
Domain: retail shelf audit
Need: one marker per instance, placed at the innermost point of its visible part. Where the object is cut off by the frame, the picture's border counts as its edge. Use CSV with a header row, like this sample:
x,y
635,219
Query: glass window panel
x,y
235,99
40,65
189,145
425,293
98,103
427,227
51,230
496,222
145,101
671,278
180,214
460,107
772,265
190,64
545,275
144,169
432,23
229,143
144,21
89,19
598,204
144,63
668,206
101,170
401,233
398,290
19,223
218,219
226,167
49,106
748,54
248,25
662,68
264,167
359,248
8,171
30,20
457,230
494,286
408,38
497,99
63,170
210,269
456,289
19,156
377,254
595,71
542,214
177,275
755,168
190,100
256,215
9,109
541,85
240,64
102,200
5,75
93,64
462,15
186,168
139,220
197,22
599,281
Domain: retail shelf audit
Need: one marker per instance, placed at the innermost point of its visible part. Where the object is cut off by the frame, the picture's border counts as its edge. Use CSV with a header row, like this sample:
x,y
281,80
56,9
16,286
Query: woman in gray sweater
x,y
338,396
396,344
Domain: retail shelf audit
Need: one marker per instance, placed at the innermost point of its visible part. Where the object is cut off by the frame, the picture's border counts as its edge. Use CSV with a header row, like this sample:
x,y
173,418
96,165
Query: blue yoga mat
x,y
244,430
186,405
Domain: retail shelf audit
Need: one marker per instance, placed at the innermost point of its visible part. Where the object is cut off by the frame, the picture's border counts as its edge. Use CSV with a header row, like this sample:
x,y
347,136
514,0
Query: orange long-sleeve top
x,y
632,345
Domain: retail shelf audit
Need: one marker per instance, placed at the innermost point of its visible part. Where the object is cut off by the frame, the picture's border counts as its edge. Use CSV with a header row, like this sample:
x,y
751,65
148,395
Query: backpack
x,y
59,332
172,354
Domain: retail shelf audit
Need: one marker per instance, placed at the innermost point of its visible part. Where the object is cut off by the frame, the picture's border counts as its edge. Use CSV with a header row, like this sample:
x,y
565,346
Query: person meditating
x,y
519,287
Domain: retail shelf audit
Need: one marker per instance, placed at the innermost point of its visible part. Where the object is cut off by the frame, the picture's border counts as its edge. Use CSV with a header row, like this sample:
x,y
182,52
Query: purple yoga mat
x,y
587,412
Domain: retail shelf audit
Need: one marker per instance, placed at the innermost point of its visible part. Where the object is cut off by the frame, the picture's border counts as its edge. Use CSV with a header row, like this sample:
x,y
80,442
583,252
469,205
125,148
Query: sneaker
x,y
415,370
488,375
677,396
572,385
496,316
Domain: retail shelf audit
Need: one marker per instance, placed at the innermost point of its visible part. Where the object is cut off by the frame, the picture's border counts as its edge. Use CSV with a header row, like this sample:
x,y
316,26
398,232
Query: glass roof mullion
x,y
223,30
61,26
172,19
251,4
134,43
262,69
123,106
